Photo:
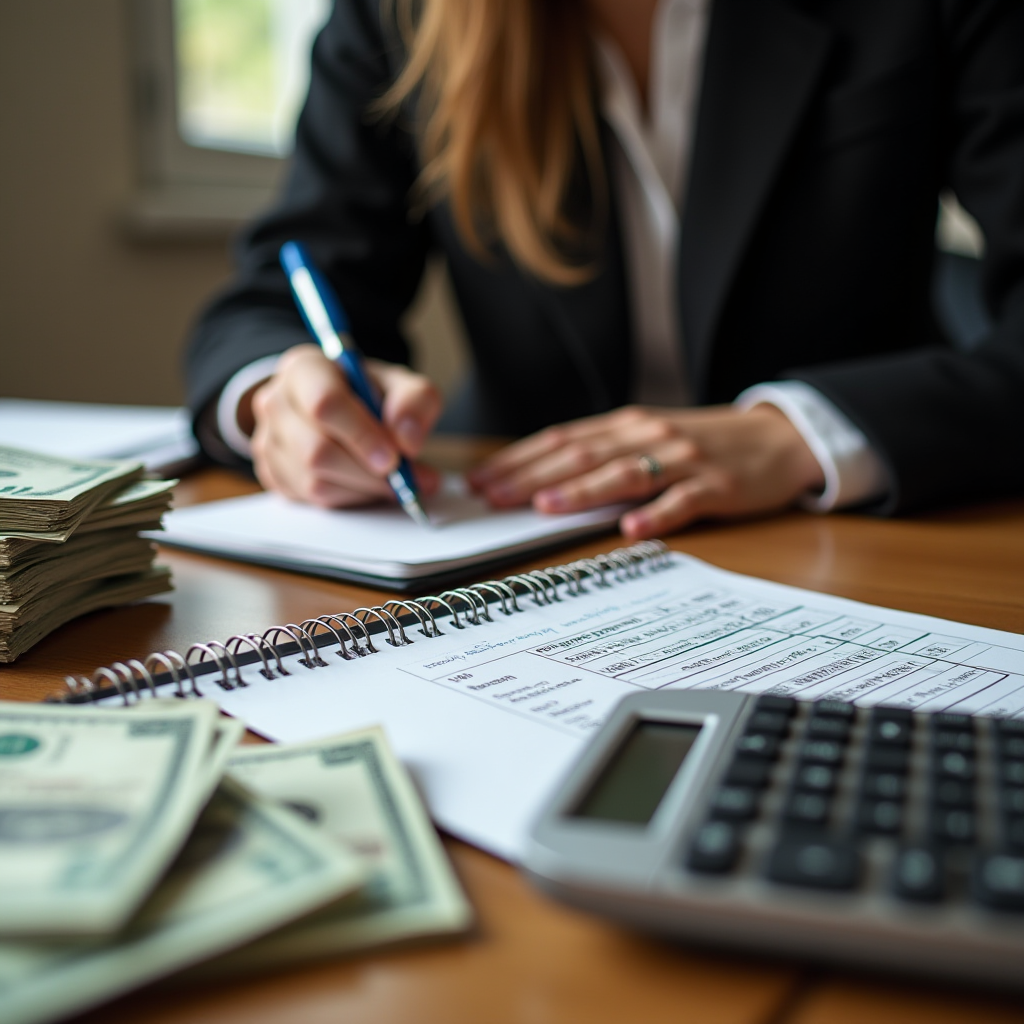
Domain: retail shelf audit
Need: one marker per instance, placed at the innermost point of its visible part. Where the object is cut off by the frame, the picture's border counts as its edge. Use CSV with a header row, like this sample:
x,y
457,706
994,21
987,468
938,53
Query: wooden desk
x,y
531,961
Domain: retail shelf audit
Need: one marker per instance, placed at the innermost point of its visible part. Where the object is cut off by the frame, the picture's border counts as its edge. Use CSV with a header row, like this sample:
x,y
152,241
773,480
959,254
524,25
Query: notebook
x,y
159,437
380,546
489,694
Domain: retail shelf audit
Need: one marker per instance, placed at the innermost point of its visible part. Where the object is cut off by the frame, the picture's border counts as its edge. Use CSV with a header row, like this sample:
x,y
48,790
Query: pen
x,y
321,310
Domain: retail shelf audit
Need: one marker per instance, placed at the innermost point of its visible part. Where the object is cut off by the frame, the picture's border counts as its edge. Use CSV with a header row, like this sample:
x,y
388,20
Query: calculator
x,y
878,837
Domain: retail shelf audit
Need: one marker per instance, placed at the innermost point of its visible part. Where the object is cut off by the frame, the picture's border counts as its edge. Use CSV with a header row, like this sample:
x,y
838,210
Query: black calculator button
x,y
758,745
890,760
887,732
884,714
737,803
947,720
953,793
749,771
917,875
953,826
1010,726
783,705
815,778
834,709
885,786
1012,773
1015,833
884,817
963,742
1011,747
715,848
999,881
822,752
814,863
829,729
1013,801
808,809
954,765
772,722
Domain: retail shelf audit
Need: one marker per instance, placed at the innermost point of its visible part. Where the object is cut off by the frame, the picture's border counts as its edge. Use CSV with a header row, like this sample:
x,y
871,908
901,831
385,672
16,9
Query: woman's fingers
x,y
520,454
293,456
562,455
706,493
312,434
624,478
411,404
317,390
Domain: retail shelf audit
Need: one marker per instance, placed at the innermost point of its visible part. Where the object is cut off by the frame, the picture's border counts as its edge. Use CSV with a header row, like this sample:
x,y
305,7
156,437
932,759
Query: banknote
x,y
137,506
354,790
225,737
140,504
94,805
44,495
248,868
79,559
25,623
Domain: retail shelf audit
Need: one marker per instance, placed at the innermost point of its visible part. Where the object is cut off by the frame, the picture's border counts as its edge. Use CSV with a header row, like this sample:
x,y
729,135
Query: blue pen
x,y
328,323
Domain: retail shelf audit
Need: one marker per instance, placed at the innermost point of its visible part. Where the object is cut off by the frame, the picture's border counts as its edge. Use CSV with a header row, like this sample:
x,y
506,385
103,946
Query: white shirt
x,y
650,166
650,169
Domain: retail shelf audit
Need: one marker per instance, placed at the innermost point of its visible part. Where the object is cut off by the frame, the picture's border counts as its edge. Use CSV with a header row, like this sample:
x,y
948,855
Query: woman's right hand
x,y
314,440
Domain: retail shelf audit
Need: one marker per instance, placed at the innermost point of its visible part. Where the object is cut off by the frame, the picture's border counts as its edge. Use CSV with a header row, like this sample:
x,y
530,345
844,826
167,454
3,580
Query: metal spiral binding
x,y
351,632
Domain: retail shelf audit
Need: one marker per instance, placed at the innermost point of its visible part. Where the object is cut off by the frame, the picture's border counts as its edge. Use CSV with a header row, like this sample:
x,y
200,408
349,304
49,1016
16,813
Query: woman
x,y
675,204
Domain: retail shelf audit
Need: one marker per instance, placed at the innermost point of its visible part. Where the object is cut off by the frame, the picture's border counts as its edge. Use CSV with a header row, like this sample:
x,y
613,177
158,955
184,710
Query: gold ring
x,y
650,465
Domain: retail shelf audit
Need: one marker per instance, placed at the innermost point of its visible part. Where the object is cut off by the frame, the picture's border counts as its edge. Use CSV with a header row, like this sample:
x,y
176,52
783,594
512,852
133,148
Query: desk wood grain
x,y
530,961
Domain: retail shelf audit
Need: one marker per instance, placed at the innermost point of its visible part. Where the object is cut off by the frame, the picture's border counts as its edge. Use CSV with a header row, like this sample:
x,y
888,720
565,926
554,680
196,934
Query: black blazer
x,y
825,132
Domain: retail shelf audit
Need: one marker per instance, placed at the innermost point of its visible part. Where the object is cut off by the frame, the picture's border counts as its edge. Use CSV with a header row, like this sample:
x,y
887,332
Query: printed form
x,y
491,715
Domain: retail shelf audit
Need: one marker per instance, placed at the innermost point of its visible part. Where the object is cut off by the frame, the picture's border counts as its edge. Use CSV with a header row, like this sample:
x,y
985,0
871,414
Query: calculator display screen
x,y
631,785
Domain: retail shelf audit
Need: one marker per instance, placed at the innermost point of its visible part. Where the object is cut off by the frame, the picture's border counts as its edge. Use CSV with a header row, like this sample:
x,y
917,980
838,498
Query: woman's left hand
x,y
714,461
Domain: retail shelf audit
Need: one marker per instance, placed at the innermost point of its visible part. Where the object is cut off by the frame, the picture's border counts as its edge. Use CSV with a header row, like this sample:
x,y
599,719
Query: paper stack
x,y
69,541
128,854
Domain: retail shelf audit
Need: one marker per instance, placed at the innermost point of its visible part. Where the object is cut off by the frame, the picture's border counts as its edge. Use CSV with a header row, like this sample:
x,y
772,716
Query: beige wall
x,y
86,312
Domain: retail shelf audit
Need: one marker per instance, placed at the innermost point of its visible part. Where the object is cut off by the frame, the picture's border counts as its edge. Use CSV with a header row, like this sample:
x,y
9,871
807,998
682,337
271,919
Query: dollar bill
x,y
227,734
81,559
44,497
94,805
354,790
25,623
248,868
140,504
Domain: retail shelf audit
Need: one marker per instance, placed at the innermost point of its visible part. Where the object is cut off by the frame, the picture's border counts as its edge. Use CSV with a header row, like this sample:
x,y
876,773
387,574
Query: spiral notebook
x,y
489,692
380,546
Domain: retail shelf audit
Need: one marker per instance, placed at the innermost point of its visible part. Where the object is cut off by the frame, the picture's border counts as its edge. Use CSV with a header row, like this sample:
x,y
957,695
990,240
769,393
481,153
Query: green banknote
x,y
45,497
248,867
354,790
94,805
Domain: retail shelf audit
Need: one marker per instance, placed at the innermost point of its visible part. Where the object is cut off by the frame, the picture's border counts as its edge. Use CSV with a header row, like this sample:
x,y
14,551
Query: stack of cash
x,y
138,842
69,541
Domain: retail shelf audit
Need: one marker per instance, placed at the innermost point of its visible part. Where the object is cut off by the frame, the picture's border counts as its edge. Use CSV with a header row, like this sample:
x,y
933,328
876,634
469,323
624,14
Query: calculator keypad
x,y
828,796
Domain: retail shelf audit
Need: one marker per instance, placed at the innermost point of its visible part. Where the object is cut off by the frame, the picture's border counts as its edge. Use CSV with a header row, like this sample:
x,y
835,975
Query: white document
x,y
80,430
490,716
381,541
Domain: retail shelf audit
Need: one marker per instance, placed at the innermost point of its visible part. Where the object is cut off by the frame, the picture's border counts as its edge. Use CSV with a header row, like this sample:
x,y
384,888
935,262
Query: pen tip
x,y
416,511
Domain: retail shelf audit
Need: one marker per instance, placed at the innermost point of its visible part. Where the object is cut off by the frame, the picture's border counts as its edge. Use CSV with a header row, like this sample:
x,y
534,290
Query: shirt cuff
x,y
852,469
227,405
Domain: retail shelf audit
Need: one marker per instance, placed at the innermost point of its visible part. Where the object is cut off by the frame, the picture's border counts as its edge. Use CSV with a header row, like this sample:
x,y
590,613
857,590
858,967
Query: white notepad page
x,y
489,717
382,540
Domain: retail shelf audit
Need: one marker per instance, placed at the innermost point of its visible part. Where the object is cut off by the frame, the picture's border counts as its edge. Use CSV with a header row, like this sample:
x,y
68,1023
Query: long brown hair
x,y
505,110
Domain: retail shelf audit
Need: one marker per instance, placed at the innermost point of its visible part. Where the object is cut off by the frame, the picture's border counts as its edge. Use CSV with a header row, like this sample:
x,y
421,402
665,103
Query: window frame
x,y
183,189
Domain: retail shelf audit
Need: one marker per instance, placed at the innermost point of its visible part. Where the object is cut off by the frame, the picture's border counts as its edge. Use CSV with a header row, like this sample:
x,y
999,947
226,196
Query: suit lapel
x,y
761,64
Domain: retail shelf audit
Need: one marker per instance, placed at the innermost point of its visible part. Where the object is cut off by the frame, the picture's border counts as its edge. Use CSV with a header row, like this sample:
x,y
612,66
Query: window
x,y
219,85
